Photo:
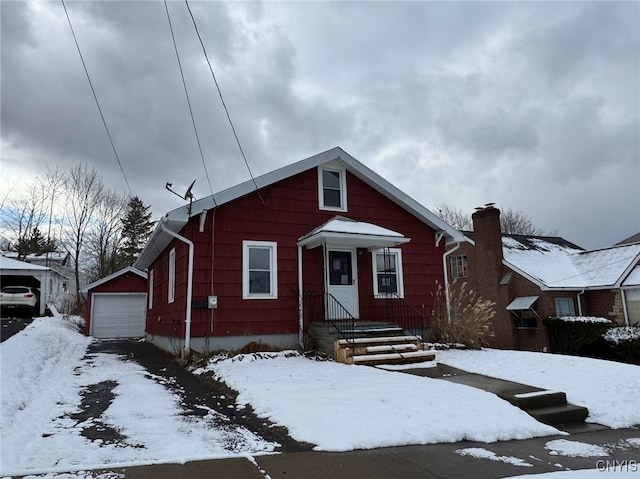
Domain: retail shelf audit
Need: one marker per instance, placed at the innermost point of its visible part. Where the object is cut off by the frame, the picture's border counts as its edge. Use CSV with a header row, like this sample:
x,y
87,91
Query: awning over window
x,y
341,231
523,302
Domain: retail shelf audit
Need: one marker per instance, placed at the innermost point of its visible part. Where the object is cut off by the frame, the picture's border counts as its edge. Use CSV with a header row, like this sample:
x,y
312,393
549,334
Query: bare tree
x,y
84,189
512,222
22,221
53,187
104,237
455,217
518,223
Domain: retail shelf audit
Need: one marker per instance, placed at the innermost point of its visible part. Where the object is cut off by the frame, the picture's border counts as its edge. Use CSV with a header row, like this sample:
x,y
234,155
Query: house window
x,y
172,276
332,189
259,270
387,272
151,289
459,266
564,307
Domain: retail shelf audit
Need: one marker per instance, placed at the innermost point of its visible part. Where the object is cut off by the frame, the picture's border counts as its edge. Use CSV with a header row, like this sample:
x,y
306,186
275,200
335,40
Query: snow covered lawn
x,y
333,406
342,407
44,370
608,389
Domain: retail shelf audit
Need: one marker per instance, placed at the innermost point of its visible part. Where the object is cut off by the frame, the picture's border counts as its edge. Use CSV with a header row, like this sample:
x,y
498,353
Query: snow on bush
x,y
625,333
583,319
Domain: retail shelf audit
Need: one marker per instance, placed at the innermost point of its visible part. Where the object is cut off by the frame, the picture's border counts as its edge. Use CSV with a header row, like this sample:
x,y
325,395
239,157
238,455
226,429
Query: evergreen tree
x,y
136,229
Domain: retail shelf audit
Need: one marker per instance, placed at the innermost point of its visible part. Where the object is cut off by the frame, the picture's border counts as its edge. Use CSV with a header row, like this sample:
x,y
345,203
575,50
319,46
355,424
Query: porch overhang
x,y
347,233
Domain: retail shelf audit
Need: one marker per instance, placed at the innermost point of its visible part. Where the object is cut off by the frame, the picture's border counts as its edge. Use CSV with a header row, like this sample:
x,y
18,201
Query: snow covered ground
x,y
342,407
44,370
334,406
608,389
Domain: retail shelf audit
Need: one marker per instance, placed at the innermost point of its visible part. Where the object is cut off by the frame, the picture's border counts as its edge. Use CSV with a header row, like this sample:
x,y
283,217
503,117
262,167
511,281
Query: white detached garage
x,y
116,305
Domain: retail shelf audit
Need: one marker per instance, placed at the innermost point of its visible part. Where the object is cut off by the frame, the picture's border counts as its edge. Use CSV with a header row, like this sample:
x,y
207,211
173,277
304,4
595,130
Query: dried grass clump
x,y
469,322
256,347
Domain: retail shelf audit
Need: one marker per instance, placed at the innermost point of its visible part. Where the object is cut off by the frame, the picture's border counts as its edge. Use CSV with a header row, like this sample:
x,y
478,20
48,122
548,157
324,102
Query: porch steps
x,y
403,349
371,343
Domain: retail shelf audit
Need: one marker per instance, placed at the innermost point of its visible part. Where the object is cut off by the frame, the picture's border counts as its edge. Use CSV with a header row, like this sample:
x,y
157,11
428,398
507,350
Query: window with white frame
x,y
332,189
172,276
564,307
459,266
150,289
259,270
387,272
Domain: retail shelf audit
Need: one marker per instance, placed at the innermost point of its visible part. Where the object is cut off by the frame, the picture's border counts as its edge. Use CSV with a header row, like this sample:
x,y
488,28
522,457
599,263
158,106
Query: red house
x,y
322,239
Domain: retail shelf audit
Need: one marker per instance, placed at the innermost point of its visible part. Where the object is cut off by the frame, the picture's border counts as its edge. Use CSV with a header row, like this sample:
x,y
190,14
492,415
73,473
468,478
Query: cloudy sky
x,y
533,106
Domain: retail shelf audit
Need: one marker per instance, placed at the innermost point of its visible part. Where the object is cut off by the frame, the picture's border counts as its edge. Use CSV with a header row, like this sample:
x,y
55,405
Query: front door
x,y
342,282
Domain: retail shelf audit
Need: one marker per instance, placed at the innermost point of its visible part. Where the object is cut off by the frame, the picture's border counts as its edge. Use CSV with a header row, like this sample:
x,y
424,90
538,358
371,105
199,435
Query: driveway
x,y
198,394
13,325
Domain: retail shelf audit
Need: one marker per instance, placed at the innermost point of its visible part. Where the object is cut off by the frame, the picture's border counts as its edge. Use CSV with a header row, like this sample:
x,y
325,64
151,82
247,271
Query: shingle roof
x,y
559,264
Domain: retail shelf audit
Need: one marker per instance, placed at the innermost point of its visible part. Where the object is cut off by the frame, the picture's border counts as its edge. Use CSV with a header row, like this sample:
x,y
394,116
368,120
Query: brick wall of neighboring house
x,y
602,304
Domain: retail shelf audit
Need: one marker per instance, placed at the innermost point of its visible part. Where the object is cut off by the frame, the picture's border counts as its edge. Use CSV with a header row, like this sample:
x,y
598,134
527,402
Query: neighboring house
x,y
245,264
532,277
58,261
46,280
116,305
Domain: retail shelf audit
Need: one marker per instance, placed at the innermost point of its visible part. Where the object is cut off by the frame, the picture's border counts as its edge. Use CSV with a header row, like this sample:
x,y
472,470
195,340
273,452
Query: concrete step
x,y
536,399
394,358
565,414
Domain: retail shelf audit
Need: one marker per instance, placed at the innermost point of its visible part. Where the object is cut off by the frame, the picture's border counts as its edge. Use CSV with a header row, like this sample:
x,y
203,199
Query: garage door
x,y
118,315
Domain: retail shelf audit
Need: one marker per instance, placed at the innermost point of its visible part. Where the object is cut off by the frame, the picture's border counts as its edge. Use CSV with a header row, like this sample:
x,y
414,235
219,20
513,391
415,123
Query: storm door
x,y
342,282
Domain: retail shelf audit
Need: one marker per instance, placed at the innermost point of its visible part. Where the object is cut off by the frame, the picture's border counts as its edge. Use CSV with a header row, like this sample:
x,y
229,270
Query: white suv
x,y
14,297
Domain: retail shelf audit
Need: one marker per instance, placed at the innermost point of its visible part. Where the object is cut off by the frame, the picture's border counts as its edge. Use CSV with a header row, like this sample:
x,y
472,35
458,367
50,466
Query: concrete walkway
x,y
549,407
416,462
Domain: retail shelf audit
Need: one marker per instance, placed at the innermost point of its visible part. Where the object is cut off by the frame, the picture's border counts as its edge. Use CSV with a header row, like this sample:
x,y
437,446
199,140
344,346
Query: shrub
x,y
624,343
571,334
470,320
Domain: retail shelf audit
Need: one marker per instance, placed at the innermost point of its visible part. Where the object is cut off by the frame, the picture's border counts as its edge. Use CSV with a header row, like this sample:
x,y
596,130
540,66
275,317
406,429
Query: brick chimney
x,y
488,250
489,271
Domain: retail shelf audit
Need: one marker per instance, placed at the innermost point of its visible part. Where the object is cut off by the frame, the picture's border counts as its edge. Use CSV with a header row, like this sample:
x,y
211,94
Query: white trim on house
x,y
394,253
272,248
342,188
175,220
106,279
171,284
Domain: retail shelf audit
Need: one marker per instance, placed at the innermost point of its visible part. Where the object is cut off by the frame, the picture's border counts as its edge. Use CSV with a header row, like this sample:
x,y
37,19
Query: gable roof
x,y
14,264
554,263
176,219
112,276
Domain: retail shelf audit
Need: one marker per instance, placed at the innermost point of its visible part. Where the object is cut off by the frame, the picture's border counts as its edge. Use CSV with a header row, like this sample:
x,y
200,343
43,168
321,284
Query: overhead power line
x,y
224,105
186,92
95,97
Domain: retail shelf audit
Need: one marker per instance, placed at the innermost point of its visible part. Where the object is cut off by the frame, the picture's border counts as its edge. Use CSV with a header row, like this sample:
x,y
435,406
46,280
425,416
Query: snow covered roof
x,y
346,231
561,265
14,264
57,256
175,220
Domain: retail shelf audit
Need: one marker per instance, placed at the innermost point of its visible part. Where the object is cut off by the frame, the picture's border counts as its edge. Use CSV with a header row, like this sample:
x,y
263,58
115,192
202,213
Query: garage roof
x,y
106,279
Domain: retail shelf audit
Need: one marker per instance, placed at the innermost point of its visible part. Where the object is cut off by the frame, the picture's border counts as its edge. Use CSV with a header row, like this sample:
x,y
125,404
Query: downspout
x,y
624,307
580,303
446,278
187,322
300,301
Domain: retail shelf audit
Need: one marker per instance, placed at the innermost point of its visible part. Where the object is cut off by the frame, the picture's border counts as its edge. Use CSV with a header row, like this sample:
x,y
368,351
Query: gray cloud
x,y
531,105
